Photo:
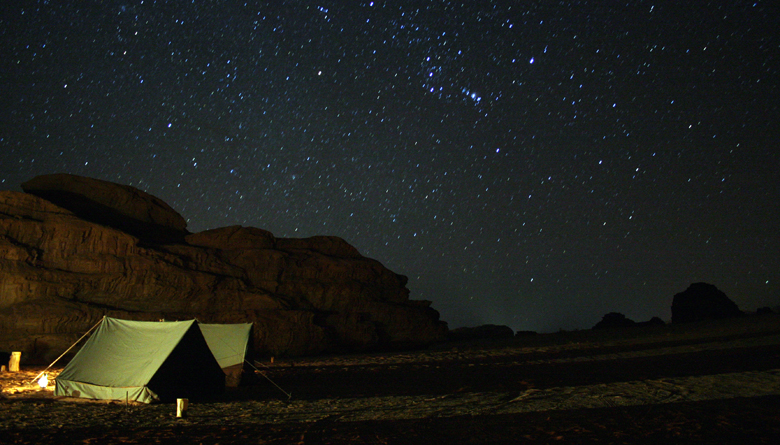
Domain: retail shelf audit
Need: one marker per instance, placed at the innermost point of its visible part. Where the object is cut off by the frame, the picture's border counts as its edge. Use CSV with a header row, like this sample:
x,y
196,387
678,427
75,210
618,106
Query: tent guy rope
x,y
66,351
289,395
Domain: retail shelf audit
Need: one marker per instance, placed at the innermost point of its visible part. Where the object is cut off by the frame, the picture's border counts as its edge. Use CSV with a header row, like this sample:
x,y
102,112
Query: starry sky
x,y
535,164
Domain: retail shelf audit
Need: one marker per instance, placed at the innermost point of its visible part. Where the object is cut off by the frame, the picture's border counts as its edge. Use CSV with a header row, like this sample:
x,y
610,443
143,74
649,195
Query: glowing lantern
x,y
43,382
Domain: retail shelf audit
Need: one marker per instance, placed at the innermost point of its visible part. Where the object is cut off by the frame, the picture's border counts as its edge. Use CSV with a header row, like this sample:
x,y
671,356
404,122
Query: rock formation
x,y
614,320
73,249
655,321
119,206
702,301
484,332
618,320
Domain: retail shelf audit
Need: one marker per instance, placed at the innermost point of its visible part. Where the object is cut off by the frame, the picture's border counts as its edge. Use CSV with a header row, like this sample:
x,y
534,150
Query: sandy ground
x,y
715,382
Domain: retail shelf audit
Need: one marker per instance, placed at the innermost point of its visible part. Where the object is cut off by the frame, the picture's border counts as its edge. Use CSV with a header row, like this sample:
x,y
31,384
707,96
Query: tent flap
x,y
228,342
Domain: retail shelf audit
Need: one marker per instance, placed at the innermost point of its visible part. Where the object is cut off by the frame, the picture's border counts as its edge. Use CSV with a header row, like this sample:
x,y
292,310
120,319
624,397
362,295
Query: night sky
x,y
535,164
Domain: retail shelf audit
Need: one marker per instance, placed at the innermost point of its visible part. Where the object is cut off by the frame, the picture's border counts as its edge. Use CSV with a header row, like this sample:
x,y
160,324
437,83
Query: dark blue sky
x,y
534,164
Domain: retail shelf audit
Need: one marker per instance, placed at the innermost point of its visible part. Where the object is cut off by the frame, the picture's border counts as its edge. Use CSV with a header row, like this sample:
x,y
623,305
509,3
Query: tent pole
x,y
71,347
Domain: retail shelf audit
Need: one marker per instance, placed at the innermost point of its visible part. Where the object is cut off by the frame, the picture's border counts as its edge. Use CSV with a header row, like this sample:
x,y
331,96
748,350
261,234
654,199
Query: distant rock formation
x,y
73,249
655,321
618,320
484,332
614,320
702,301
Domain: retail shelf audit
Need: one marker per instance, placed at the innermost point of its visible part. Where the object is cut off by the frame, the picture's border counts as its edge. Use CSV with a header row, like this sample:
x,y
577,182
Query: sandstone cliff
x,y
73,249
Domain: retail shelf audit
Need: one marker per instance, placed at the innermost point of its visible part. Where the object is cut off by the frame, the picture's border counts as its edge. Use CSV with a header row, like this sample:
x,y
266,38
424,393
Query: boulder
x,y
64,265
702,301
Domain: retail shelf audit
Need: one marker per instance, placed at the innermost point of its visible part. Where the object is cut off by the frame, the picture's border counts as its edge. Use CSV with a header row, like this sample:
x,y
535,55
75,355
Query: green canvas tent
x,y
142,361
230,344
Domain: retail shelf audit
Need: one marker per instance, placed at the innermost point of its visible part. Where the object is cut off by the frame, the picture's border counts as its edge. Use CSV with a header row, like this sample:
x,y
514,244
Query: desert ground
x,y
708,382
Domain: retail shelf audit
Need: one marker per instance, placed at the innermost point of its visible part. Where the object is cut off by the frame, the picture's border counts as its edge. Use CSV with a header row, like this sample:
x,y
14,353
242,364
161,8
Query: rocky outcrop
x,y
655,321
618,320
70,256
702,301
484,332
614,320
120,206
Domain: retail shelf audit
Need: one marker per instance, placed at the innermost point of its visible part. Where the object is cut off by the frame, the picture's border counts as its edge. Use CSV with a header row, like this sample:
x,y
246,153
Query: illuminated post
x,y
13,364
181,407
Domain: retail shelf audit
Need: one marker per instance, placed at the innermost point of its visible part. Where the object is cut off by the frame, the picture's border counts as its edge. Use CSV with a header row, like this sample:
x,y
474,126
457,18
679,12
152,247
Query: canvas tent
x,y
230,344
142,361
